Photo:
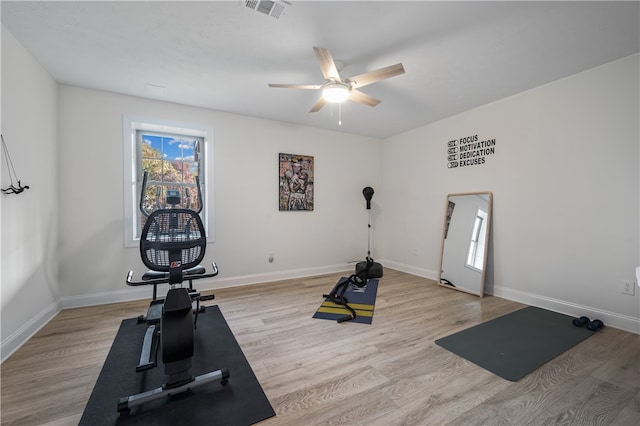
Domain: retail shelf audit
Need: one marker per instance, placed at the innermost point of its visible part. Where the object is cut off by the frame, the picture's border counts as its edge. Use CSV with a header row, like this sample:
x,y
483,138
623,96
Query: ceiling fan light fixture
x,y
335,92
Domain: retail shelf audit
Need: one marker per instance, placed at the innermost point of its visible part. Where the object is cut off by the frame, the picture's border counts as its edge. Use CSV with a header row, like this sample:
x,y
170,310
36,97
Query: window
x,y
475,258
173,155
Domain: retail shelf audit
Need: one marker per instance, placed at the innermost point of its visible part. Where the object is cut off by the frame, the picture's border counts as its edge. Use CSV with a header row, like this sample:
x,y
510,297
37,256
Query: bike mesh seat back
x,y
173,240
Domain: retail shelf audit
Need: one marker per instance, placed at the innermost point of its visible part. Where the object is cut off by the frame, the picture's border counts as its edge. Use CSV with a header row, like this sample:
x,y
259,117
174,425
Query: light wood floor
x,y
320,372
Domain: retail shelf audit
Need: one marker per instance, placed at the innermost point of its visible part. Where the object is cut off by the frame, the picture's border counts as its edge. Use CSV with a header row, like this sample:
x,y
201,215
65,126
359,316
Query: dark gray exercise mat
x,y
241,402
518,343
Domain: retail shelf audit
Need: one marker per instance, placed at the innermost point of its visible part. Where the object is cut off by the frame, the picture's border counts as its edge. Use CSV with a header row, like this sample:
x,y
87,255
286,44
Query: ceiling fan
x,y
336,89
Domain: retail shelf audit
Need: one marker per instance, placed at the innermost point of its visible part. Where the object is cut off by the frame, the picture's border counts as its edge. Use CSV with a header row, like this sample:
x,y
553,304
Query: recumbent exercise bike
x,y
172,245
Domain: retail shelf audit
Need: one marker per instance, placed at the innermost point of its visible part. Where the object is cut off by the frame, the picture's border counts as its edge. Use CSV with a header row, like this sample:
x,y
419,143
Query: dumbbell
x,y
585,321
581,322
595,325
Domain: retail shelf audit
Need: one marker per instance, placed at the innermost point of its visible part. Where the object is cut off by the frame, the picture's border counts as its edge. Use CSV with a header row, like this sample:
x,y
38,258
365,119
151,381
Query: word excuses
x,y
468,151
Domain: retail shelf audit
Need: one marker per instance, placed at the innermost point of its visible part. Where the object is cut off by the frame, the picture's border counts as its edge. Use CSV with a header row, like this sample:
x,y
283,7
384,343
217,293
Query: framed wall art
x,y
296,182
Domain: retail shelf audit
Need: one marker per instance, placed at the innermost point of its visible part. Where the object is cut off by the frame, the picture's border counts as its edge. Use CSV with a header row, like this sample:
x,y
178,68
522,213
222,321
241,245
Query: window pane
x,y
187,149
171,149
151,146
190,171
171,171
153,168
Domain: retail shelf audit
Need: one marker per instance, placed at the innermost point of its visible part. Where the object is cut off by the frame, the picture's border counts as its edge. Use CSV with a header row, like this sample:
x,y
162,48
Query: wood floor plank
x,y
624,368
318,372
630,413
592,402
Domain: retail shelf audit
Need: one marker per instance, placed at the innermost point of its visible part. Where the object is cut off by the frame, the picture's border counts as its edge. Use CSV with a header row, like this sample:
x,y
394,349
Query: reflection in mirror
x,y
465,241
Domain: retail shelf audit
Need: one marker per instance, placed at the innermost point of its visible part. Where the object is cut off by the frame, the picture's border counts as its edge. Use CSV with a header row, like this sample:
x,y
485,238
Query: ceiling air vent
x,y
271,8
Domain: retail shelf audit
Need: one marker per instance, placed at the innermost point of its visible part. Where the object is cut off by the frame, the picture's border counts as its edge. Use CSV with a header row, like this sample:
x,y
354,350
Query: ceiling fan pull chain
x,y
339,114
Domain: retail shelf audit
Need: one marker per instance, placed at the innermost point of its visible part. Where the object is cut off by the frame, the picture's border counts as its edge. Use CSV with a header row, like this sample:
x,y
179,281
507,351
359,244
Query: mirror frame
x,y
486,246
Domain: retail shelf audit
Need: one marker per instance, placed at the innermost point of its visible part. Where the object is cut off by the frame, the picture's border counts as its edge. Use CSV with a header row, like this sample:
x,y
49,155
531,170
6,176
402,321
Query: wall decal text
x,y
469,151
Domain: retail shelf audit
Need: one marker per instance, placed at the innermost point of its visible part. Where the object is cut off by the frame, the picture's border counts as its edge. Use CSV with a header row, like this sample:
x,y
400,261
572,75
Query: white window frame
x,y
133,177
477,241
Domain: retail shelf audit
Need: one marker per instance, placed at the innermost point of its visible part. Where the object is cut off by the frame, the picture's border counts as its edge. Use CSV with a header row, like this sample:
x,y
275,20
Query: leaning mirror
x,y
465,241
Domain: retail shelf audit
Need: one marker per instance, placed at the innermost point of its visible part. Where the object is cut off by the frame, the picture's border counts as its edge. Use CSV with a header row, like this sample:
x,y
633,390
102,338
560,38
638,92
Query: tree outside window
x,y
172,163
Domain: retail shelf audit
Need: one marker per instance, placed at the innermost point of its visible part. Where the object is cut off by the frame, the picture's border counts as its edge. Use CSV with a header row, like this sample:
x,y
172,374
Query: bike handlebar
x,y
144,187
158,206
199,194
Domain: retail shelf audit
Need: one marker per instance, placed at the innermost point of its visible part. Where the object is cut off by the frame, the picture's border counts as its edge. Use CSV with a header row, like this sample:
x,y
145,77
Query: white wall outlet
x,y
628,287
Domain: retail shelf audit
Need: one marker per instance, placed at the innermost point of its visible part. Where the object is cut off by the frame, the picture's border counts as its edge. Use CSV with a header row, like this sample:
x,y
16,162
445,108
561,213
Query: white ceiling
x,y
221,54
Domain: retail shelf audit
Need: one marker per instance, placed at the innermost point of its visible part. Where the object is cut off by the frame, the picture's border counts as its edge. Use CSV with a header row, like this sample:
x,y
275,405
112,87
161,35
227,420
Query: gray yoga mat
x,y
518,343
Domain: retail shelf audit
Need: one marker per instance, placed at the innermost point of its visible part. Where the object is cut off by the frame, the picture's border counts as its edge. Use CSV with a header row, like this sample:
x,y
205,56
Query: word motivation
x,y
469,151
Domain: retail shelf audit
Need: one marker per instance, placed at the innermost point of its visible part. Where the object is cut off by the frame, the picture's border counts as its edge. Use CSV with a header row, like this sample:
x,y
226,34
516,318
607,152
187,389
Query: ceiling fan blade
x,y
327,65
376,75
296,86
363,98
316,107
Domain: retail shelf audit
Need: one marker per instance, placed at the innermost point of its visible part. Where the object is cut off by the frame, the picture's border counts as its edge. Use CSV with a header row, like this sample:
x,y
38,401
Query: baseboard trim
x,y
611,319
28,330
138,293
409,269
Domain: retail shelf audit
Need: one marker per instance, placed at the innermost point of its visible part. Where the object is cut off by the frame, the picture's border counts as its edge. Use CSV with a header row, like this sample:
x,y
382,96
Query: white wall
x,y
564,176
566,185
248,225
30,287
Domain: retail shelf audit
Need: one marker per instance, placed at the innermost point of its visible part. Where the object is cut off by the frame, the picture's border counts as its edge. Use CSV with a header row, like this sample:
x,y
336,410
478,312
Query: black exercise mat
x,y
518,343
241,402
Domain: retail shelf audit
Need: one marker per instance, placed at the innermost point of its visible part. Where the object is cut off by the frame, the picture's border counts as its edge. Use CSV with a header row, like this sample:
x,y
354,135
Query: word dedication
x,y
469,151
